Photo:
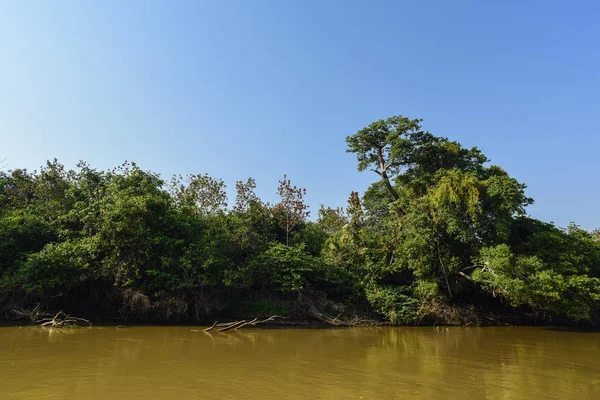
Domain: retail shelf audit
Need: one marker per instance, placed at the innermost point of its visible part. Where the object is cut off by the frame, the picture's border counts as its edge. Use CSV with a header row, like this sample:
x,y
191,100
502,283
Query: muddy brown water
x,y
364,363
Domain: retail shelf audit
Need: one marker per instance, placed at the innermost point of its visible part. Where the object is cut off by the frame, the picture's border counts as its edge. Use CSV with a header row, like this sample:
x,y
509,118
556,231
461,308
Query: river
x,y
363,363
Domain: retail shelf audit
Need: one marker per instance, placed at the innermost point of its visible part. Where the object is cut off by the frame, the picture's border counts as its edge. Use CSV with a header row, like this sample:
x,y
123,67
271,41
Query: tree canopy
x,y
441,235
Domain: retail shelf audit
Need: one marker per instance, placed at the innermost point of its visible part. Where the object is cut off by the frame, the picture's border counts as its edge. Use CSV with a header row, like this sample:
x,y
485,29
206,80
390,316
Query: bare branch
x,y
245,323
235,325
232,326
211,328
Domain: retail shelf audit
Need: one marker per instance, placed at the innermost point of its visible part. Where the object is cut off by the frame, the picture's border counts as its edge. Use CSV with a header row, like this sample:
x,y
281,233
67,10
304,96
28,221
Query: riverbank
x,y
293,311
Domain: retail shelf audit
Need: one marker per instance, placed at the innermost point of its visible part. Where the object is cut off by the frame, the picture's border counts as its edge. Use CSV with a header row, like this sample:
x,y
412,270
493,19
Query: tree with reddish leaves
x,y
292,209
245,195
354,210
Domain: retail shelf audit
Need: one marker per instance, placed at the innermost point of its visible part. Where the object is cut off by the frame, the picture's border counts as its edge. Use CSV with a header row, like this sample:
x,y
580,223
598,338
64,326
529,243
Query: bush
x,y
393,303
287,267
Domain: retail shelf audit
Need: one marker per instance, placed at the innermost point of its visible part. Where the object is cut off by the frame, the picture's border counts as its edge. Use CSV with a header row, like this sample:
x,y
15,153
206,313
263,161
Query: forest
x,y
442,236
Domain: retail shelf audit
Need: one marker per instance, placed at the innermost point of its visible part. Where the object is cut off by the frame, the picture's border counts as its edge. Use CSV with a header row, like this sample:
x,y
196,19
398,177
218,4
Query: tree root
x,y
319,313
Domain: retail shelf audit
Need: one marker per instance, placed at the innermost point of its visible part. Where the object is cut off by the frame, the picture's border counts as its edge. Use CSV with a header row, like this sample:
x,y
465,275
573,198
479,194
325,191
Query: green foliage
x,y
263,308
199,193
331,220
56,268
394,304
313,236
438,209
289,267
561,286
22,233
439,226
383,140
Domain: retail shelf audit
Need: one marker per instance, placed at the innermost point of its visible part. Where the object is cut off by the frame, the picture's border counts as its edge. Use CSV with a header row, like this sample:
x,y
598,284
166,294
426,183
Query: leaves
x,y
201,194
439,229
289,267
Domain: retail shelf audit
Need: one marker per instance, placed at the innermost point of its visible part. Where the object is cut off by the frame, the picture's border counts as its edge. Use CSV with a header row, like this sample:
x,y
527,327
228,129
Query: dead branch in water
x,y
231,326
235,325
32,315
38,317
245,323
210,328
62,320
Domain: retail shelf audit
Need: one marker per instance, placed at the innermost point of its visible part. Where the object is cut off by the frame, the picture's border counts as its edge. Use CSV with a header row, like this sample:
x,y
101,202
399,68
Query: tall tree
x,y
245,195
203,194
398,150
291,210
376,145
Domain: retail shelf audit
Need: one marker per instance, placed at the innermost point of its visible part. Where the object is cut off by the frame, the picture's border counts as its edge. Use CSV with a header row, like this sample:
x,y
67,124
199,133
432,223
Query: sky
x,y
262,88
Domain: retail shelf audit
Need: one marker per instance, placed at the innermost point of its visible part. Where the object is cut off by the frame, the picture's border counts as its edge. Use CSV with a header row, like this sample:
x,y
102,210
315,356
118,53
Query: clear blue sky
x,y
262,88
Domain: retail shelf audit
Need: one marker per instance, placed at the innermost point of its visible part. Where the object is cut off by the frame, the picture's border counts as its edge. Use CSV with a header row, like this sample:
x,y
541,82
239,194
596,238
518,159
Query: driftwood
x,y
62,320
59,320
231,325
210,328
32,315
235,325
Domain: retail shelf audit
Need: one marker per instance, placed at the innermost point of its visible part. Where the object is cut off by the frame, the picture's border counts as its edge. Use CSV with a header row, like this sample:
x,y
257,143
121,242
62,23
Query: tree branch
x,y
384,176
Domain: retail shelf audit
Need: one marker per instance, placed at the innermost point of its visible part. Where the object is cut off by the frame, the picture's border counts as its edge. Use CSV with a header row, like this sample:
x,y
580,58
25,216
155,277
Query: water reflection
x,y
368,363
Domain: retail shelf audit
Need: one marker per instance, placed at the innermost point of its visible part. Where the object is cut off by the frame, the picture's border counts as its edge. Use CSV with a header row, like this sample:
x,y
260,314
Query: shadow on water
x,y
573,329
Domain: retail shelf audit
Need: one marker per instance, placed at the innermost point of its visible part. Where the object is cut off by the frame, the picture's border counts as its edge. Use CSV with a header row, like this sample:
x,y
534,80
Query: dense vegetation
x,y
440,236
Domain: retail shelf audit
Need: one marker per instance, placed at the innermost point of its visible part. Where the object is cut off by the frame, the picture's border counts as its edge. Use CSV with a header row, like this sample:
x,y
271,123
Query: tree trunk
x,y
388,185
384,175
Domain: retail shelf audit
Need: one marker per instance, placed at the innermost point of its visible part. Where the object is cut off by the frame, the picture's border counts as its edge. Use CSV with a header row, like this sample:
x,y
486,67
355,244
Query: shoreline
x,y
311,324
